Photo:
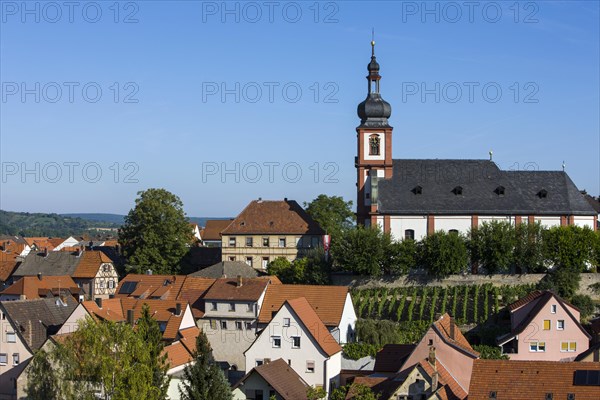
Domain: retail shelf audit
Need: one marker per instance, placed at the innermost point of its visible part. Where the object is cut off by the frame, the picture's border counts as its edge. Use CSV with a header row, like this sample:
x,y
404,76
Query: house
x,y
297,334
193,291
231,309
52,244
180,354
544,327
268,229
14,244
590,355
211,234
275,379
228,269
428,379
25,325
35,287
92,270
412,198
9,262
333,305
452,351
196,232
528,380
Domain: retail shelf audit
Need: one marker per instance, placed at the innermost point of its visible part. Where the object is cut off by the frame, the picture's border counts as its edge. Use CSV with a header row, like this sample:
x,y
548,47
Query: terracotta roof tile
x,y
528,380
193,291
327,301
213,228
32,286
378,384
89,264
282,378
8,264
392,356
315,326
228,289
524,300
188,338
166,287
177,354
111,310
273,217
445,379
444,326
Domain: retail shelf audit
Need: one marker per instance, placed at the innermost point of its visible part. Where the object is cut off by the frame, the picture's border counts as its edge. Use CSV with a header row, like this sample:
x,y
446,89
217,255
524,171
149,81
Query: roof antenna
x,y
564,165
491,154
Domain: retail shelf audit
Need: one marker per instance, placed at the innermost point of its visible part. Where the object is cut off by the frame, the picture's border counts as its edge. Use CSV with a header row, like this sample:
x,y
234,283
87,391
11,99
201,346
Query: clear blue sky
x,y
179,53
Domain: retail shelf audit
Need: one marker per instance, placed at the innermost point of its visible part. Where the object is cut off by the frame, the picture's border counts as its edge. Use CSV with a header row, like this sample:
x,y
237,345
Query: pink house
x,y
452,351
544,327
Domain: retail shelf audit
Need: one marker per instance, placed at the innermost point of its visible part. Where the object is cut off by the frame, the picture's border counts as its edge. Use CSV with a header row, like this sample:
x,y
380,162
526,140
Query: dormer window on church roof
x,y
418,189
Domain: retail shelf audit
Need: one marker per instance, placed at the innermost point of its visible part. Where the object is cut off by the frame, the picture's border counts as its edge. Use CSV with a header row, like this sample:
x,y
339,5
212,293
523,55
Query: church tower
x,y
374,139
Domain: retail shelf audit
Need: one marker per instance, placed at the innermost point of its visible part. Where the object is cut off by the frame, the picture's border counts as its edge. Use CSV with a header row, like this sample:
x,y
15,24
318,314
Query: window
x,y
417,190
546,324
266,242
570,396
560,324
310,367
289,362
492,395
409,234
295,342
259,363
453,231
111,284
500,190
248,242
374,145
231,258
250,307
11,337
213,306
286,322
238,325
231,242
549,396
265,262
16,359
314,242
213,324
281,242
430,342
258,394
249,261
3,358
553,308
224,325
568,346
106,268
231,307
537,347
458,191
101,284
276,341
248,325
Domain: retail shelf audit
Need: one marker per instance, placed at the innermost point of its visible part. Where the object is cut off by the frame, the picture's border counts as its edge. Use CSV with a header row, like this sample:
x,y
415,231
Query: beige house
x,y
268,229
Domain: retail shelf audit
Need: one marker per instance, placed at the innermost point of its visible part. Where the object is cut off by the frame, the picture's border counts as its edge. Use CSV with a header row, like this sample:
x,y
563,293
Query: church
x,y
412,198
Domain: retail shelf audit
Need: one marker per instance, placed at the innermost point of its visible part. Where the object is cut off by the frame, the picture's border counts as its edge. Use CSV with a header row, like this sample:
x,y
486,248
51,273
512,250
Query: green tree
x,y
528,254
443,254
400,257
339,393
492,245
360,250
148,331
103,359
332,213
569,247
204,380
586,305
44,380
315,393
362,392
156,233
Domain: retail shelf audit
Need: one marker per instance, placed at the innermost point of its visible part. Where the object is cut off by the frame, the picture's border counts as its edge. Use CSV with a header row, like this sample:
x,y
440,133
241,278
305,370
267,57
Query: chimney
x,y
45,251
148,272
434,376
99,302
431,357
285,199
130,317
452,328
240,281
40,276
178,309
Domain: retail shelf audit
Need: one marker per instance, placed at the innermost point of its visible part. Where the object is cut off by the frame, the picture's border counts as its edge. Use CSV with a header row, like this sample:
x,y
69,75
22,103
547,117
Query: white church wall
x,y
398,225
462,223
583,221
548,222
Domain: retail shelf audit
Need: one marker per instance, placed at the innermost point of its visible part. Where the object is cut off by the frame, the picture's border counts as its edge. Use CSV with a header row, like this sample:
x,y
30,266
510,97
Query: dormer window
x,y
499,191
374,142
418,189
458,191
492,395
542,194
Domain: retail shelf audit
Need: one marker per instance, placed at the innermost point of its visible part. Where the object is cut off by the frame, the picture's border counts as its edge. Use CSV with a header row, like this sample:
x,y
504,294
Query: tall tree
x,y
360,250
492,244
148,331
332,213
443,254
204,380
528,255
156,233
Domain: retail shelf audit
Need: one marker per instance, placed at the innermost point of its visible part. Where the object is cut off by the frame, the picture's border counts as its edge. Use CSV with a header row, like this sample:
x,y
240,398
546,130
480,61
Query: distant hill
x,y
40,224
119,219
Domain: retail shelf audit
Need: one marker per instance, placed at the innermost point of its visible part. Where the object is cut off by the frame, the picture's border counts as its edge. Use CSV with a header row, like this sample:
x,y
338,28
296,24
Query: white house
x,y
297,335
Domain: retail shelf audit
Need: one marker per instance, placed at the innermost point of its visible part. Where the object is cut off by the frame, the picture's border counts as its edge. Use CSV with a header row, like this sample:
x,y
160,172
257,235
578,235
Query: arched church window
x,y
374,145
409,234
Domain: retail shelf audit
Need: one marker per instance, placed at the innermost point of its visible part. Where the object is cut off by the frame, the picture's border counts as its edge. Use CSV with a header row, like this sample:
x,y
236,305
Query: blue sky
x,y
519,79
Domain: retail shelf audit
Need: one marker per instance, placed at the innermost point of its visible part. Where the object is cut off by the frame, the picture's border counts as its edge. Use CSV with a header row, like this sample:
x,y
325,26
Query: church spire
x,y
374,111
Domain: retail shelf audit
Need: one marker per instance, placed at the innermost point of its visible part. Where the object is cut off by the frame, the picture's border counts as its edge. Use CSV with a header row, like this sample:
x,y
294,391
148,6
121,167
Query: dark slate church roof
x,y
440,183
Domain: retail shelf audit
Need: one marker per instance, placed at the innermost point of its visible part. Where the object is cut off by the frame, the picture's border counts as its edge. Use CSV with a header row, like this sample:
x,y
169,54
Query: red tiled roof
x,y
8,264
177,354
315,326
445,379
193,291
444,326
273,217
112,310
32,286
188,338
327,301
90,263
213,229
527,380
282,378
166,287
392,356
228,289
524,300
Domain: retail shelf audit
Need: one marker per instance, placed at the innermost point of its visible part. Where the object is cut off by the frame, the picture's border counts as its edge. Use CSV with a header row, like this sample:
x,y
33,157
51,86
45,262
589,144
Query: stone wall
x,y
362,282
